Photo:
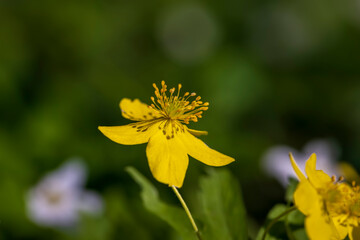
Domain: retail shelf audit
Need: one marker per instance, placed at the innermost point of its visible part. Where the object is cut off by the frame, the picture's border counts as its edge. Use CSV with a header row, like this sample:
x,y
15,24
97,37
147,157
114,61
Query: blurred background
x,y
274,72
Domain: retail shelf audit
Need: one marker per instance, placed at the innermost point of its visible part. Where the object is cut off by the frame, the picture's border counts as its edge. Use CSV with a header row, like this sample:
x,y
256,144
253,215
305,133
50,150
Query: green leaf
x,y
278,230
289,195
300,234
268,236
276,211
224,215
296,218
174,216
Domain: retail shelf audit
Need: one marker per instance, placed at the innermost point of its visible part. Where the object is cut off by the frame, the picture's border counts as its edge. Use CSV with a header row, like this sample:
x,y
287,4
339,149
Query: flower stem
x,y
188,213
289,210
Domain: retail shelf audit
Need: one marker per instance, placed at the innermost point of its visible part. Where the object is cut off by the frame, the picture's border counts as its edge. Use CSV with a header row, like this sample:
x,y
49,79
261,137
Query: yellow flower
x,y
162,126
332,208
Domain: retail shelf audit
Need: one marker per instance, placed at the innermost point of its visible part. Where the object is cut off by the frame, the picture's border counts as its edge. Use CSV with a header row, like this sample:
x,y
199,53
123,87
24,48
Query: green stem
x,y
188,213
289,233
277,219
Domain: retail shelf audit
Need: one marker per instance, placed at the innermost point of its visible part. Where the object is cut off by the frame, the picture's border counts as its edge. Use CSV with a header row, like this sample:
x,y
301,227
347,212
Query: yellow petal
x,y
167,158
317,177
354,233
311,163
200,151
129,134
306,198
320,227
341,229
296,168
197,133
136,110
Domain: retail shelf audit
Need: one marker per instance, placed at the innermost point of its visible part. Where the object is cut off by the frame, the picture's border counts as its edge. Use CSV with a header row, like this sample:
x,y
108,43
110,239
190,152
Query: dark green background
x,y
274,72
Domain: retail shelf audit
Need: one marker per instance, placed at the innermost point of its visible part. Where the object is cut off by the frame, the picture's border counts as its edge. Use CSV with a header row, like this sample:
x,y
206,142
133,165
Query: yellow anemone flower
x,y
162,126
320,198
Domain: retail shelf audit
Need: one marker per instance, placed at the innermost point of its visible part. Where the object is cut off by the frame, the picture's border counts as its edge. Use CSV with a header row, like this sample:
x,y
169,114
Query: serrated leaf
x,y
224,215
174,216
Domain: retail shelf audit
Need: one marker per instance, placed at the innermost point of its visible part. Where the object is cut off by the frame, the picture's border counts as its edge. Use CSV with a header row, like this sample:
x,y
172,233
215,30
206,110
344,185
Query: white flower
x,y
59,197
275,161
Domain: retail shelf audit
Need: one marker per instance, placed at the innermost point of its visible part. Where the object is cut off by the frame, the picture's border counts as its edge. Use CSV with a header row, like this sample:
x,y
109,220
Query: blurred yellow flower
x,y
332,208
170,141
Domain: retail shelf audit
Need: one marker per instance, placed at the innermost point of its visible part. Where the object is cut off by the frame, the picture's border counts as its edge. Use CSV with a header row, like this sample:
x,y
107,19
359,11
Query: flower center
x,y
175,107
53,198
346,205
354,200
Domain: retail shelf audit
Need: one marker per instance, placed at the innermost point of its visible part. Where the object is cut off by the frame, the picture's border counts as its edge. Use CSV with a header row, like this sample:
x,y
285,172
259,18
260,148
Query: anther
x,y
341,178
198,98
193,94
333,178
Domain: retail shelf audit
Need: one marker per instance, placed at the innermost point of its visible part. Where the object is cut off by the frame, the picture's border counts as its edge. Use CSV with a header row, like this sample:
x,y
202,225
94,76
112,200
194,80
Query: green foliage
x,y
290,190
174,216
290,225
224,215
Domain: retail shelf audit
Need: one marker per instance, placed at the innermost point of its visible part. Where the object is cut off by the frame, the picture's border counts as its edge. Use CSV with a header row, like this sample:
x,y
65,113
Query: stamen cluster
x,y
176,107
342,202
